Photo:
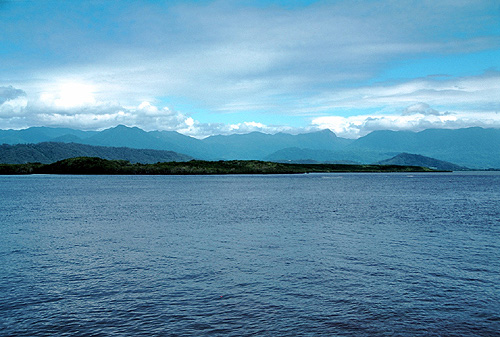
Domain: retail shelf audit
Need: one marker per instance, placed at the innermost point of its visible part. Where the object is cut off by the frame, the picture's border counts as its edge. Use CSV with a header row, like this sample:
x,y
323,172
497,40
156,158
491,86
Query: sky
x,y
221,67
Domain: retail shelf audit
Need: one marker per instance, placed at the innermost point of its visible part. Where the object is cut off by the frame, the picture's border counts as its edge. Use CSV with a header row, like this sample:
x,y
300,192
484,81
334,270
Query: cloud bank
x,y
81,108
399,106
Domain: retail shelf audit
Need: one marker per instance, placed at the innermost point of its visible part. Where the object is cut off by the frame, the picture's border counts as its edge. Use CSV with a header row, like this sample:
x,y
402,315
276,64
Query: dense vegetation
x,y
408,159
93,165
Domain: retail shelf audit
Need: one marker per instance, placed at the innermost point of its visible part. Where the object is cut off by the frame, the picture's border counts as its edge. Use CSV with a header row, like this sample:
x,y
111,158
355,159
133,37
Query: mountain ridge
x,y
49,152
477,148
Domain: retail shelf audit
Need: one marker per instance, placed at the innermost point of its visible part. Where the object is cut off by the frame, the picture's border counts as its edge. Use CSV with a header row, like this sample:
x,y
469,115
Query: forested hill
x,y
50,152
406,159
92,165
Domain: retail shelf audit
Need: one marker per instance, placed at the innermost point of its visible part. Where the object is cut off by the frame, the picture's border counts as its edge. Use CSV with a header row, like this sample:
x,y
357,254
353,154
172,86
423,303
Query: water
x,y
288,255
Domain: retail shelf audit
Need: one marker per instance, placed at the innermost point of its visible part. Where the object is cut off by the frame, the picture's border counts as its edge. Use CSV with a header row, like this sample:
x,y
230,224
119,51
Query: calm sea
x,y
281,255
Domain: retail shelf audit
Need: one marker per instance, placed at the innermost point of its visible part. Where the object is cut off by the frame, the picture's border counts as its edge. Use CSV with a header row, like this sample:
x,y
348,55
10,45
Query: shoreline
x,y
99,166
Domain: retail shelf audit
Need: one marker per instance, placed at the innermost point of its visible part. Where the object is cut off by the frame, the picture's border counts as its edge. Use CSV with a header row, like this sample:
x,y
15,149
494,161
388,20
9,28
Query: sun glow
x,y
75,95
69,95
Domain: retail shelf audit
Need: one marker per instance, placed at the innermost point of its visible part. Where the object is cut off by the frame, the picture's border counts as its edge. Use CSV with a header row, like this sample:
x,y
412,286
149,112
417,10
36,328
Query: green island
x,y
95,165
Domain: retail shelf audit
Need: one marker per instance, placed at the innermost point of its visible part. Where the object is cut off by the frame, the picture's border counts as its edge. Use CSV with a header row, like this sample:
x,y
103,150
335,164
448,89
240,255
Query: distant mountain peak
x,y
124,130
326,131
124,127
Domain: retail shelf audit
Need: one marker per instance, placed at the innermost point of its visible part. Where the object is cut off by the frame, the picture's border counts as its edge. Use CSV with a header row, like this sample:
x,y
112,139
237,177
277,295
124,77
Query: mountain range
x,y
50,152
471,147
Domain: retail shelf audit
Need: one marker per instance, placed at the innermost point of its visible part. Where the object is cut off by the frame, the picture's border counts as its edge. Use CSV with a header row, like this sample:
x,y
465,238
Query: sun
x,y
74,94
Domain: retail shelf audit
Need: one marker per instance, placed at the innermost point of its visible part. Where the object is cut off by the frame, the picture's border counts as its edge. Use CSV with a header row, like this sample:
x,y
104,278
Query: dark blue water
x,y
299,255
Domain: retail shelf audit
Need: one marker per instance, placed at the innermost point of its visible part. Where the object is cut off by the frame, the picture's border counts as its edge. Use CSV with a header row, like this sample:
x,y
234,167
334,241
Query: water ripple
x,y
347,255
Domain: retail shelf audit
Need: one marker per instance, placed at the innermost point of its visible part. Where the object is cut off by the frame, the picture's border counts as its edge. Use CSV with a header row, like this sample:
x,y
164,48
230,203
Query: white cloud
x,y
420,108
361,125
92,114
105,114
149,109
202,130
19,111
13,107
467,93
10,93
12,102
84,120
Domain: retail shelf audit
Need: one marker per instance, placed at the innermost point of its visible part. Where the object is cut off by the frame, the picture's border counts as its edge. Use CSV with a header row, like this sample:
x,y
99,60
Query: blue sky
x,y
222,67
